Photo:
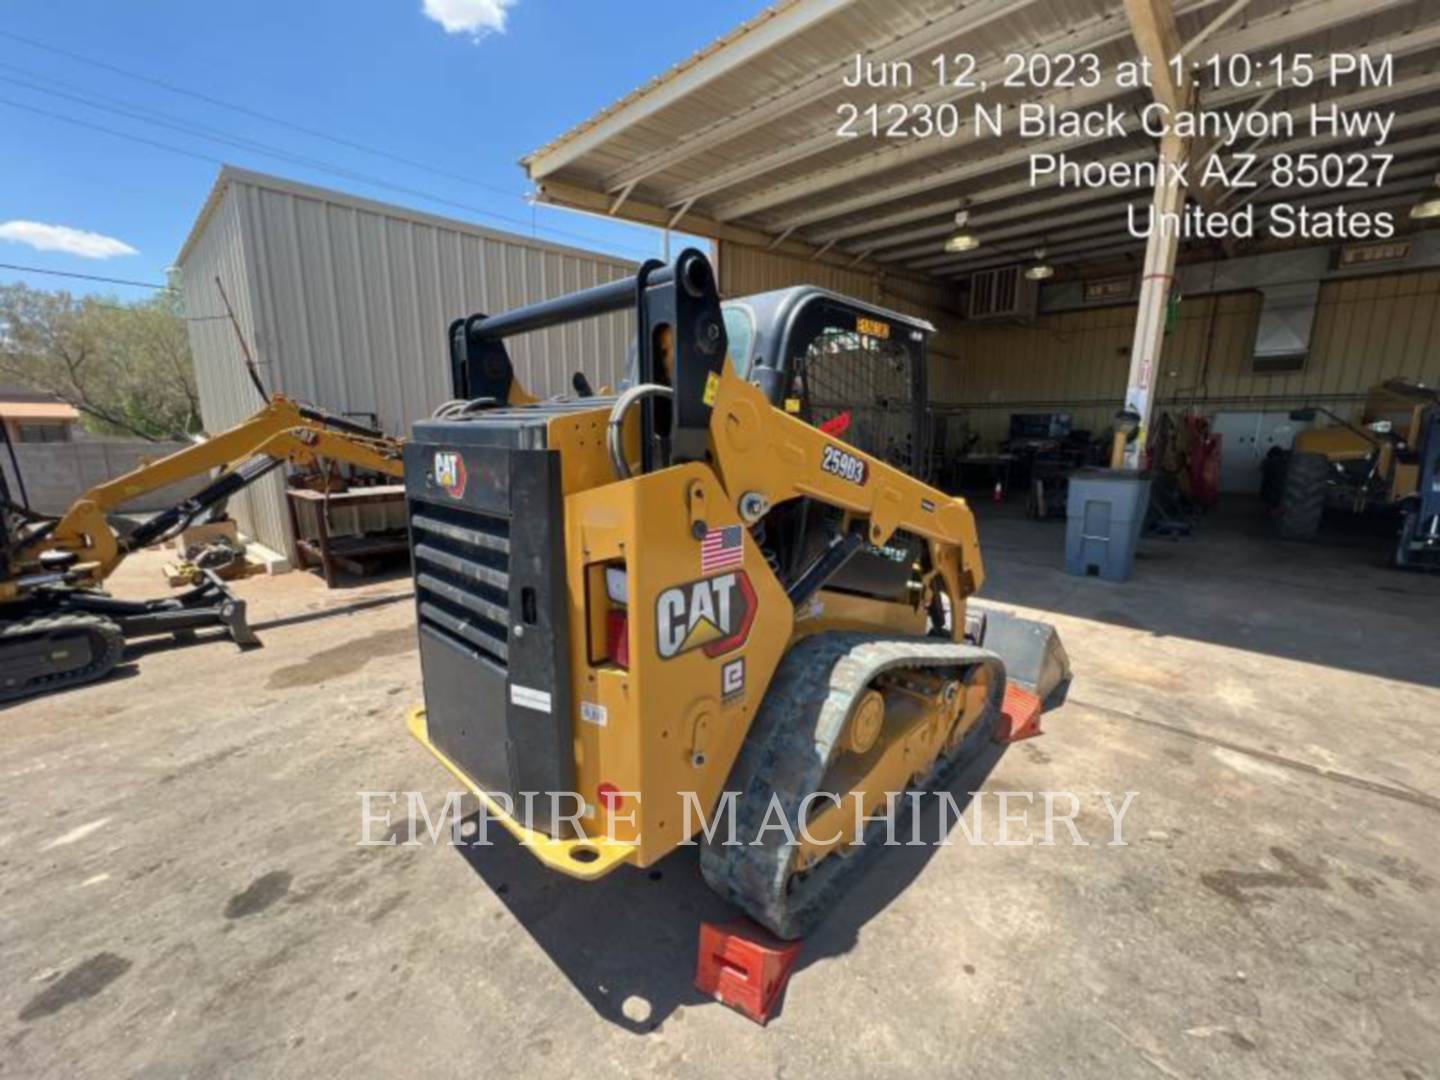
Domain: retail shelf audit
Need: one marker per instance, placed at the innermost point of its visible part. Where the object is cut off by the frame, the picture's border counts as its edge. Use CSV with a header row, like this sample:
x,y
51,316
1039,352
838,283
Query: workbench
x,y
347,530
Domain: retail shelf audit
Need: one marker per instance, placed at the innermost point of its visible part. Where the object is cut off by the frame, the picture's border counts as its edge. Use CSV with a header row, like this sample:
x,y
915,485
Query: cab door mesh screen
x,y
870,379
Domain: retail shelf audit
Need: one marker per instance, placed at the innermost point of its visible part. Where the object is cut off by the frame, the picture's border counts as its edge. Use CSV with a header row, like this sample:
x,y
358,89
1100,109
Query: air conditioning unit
x,y
1003,293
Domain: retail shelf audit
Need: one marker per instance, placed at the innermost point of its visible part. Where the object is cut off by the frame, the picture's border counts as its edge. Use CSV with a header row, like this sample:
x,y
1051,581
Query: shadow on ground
x,y
628,942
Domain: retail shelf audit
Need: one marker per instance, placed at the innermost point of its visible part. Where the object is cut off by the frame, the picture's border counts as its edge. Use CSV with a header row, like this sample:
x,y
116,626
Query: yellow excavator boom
x,y
283,430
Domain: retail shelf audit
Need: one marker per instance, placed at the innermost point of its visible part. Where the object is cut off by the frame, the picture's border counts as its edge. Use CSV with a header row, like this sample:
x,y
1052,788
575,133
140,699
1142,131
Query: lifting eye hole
x,y
528,606
694,276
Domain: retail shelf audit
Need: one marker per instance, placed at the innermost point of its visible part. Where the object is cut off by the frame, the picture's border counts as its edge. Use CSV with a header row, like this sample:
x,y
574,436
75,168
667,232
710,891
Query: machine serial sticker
x,y
713,614
450,472
732,678
872,327
712,387
595,714
846,466
529,698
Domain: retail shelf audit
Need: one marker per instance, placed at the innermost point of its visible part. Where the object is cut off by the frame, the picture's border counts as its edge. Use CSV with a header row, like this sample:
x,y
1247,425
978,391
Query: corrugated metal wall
x,y
226,394
1366,330
345,303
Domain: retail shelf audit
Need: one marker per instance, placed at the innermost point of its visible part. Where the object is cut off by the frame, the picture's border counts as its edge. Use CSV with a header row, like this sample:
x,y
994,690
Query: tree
x,y
125,367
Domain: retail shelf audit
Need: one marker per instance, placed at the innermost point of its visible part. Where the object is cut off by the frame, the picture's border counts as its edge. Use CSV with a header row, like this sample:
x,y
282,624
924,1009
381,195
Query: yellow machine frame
x,y
682,736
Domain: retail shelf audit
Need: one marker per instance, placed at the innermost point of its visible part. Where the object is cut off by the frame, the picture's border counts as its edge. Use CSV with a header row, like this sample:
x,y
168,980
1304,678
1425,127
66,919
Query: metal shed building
x,y
344,303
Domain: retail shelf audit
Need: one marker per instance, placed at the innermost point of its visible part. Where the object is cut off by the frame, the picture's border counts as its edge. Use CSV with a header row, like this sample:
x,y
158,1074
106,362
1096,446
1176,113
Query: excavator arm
x,y
58,629
282,432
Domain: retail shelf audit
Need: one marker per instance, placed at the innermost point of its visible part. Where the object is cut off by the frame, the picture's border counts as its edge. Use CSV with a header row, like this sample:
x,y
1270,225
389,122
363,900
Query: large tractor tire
x,y
1272,476
1302,496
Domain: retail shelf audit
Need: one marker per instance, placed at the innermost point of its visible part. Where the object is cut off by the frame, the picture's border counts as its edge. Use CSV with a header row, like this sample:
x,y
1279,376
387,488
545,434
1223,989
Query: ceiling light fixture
x,y
1041,270
960,239
1429,208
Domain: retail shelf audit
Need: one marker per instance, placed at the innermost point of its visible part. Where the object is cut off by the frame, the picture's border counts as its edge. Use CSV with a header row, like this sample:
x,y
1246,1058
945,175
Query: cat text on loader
x,y
685,604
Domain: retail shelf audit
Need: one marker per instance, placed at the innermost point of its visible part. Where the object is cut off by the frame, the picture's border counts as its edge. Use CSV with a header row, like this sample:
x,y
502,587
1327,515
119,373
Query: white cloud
x,y
42,237
477,18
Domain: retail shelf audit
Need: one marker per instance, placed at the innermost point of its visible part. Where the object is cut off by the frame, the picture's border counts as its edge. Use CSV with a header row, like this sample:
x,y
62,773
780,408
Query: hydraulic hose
x,y
615,433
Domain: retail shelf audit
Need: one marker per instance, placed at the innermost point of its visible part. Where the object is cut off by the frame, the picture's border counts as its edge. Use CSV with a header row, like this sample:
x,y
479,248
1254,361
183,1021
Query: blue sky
x,y
470,100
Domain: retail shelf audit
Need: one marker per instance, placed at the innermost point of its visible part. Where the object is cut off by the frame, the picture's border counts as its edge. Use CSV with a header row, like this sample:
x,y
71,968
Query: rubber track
x,y
108,645
787,751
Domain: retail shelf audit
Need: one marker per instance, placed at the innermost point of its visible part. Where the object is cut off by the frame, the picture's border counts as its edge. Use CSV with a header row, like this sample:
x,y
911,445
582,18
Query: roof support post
x,y
1152,24
1155,282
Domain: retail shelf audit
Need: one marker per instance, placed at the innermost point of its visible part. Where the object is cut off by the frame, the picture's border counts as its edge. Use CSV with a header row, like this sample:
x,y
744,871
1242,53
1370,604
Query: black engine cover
x,y
486,516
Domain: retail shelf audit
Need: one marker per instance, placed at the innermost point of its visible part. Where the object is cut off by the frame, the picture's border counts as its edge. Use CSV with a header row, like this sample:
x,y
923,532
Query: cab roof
x,y
778,306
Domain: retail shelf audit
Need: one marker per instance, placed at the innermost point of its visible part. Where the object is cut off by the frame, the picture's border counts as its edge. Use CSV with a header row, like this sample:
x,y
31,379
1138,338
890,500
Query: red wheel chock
x,y
745,967
1019,716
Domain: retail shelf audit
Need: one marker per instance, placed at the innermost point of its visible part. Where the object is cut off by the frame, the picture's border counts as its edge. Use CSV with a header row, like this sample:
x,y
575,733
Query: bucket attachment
x,y
1034,658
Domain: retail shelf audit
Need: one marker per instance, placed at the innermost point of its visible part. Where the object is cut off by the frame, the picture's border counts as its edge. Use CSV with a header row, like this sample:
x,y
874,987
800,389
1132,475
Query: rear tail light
x,y
617,637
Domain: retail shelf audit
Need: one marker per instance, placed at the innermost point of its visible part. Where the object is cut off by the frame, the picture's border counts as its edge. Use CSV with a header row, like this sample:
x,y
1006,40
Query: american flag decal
x,y
721,549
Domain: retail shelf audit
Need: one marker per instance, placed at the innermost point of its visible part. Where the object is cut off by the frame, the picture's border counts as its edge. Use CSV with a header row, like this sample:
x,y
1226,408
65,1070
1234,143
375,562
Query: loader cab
x,y
855,370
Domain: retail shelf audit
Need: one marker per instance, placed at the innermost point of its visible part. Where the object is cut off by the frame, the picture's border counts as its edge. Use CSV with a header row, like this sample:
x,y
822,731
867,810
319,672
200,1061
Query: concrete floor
x,y
184,894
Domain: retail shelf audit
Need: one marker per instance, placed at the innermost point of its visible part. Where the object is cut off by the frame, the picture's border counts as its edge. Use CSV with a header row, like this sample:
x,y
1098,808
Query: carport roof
x,y
739,141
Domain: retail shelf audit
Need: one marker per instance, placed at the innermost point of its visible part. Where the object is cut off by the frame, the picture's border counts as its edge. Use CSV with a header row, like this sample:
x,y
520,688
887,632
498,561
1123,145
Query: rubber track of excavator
x,y
107,645
787,751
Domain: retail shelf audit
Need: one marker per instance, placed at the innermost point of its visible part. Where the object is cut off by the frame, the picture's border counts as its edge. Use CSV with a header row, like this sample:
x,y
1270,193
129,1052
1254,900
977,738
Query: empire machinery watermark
x,y
821,819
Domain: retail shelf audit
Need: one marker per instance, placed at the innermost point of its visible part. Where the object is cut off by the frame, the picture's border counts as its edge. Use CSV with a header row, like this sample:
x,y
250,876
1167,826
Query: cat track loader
x,y
717,592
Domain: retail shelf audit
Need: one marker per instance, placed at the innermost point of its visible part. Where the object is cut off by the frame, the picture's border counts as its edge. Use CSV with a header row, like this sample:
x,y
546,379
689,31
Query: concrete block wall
x,y
56,474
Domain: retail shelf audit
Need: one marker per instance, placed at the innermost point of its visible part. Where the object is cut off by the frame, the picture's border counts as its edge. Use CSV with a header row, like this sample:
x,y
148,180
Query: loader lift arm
x,y
752,439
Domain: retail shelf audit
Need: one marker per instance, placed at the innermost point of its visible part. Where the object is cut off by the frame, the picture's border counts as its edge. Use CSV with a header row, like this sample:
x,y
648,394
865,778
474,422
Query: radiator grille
x,y
462,577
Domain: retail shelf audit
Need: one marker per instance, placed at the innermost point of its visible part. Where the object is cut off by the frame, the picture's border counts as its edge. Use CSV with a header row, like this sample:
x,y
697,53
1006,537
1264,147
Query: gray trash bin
x,y
1105,513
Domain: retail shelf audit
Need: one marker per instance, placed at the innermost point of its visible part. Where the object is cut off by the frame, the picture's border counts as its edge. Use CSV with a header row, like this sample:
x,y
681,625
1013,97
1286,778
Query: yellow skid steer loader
x,y
719,591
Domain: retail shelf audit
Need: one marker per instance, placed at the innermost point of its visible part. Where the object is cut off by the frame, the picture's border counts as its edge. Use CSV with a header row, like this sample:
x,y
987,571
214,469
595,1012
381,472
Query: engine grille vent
x,y
462,577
